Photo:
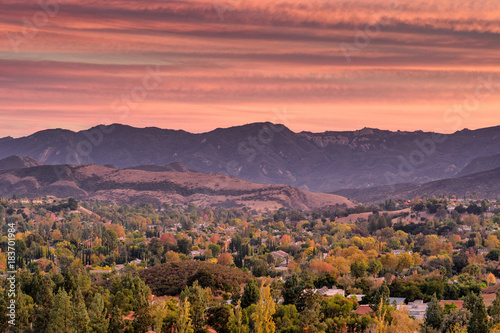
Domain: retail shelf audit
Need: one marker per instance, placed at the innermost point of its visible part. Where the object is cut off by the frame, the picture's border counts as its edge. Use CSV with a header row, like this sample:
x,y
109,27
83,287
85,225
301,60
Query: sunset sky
x,y
197,65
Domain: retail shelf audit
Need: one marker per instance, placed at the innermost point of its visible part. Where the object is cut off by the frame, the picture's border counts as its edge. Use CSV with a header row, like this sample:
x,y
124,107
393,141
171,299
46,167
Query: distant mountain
x,y
270,154
16,162
486,184
94,182
481,164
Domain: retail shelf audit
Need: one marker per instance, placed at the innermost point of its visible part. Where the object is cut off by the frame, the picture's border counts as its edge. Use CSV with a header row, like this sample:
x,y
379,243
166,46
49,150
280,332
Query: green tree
x,y
236,324
292,291
24,311
198,300
434,314
478,322
494,310
99,321
42,286
62,315
251,294
381,296
218,318
116,322
82,319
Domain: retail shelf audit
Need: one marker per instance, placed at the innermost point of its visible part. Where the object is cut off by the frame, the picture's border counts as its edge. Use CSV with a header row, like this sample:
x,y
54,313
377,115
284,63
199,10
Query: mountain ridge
x,y
266,153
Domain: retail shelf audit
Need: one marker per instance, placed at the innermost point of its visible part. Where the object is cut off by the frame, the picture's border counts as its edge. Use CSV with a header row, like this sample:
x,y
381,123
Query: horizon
x,y
242,125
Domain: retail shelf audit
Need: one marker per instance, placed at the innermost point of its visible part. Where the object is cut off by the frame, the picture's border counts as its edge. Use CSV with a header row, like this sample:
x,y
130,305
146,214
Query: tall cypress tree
x,y
434,314
82,319
44,298
494,310
478,322
97,313
61,315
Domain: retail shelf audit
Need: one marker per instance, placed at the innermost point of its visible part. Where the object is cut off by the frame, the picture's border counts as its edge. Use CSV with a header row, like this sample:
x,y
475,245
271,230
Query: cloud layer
x,y
202,64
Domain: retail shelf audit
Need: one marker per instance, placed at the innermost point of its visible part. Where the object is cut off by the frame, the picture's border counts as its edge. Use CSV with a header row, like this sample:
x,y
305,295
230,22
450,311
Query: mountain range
x,y
267,153
174,184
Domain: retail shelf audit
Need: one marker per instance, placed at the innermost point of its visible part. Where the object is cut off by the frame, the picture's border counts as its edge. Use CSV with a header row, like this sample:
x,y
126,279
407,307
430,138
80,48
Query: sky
x,y
197,65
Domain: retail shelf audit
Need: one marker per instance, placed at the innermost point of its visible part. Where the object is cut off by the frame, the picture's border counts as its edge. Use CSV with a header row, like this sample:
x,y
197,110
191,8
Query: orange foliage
x,y
225,259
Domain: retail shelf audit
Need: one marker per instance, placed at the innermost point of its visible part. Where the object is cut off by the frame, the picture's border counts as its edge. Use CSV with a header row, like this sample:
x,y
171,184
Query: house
x,y
401,251
358,297
363,309
417,309
329,292
398,300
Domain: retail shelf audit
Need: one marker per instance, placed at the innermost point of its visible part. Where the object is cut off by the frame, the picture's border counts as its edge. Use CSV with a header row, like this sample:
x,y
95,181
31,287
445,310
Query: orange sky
x,y
201,64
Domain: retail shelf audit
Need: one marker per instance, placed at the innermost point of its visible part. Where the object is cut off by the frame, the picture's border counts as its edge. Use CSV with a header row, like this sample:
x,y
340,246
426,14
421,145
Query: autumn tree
x,y
184,322
263,315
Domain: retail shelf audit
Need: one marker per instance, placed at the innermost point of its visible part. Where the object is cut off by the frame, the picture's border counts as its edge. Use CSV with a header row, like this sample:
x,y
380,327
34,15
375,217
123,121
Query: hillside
x,y
172,278
481,164
16,162
176,187
486,184
266,153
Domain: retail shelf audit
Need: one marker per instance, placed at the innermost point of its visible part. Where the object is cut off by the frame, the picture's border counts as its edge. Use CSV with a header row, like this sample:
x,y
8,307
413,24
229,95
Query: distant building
x,y
329,292
417,309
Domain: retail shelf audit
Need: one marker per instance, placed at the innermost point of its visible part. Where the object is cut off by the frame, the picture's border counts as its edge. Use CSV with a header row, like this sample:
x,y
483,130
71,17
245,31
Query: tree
x,y
434,314
42,285
198,300
251,294
184,322
402,323
61,315
99,321
292,291
116,322
490,279
218,318
494,310
225,259
236,320
263,315
478,322
381,297
358,269
24,311
159,312
455,319
81,317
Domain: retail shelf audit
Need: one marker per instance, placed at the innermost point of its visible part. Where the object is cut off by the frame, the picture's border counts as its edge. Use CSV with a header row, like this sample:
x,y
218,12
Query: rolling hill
x,y
269,154
94,182
486,184
16,162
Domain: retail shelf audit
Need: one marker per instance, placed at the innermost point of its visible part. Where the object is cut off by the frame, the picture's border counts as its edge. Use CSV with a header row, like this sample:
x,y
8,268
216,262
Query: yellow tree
x,y
402,323
183,324
263,315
